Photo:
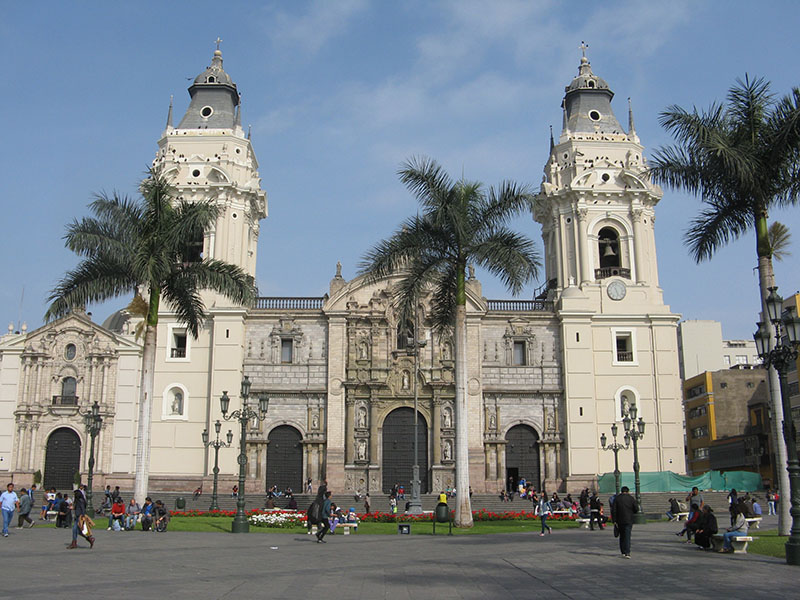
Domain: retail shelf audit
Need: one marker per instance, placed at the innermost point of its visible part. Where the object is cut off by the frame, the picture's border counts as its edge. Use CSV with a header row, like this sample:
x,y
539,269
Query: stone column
x,y
436,429
583,246
21,439
350,430
638,254
32,442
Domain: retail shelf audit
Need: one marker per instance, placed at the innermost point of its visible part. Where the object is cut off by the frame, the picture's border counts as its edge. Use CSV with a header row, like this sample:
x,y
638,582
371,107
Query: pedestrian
x,y
9,502
314,512
771,498
25,505
82,525
309,487
622,512
594,514
325,518
366,503
545,510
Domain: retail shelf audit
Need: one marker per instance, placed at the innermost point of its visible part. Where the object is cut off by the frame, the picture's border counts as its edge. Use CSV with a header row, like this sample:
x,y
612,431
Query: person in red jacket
x,y
117,514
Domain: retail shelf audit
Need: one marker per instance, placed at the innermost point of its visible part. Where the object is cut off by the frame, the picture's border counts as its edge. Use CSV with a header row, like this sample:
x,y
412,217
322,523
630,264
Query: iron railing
x,y
65,401
604,272
289,303
521,305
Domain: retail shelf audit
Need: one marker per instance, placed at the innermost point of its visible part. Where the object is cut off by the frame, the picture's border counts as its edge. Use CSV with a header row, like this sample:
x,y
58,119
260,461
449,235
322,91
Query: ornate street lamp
x,y
781,358
216,444
635,430
244,415
93,422
615,447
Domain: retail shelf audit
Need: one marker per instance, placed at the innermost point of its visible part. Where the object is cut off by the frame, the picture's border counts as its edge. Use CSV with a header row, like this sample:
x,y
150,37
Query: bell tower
x,y
207,157
597,210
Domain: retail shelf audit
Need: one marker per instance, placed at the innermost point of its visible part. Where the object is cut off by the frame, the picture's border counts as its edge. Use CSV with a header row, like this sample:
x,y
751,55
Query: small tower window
x,y
211,79
70,351
608,246
594,115
206,112
178,347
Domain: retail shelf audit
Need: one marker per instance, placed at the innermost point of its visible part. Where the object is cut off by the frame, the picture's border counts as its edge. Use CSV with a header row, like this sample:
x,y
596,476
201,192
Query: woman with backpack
x,y
314,512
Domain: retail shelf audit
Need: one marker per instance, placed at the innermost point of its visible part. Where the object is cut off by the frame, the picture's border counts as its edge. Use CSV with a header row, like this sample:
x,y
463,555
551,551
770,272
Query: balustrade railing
x,y
289,303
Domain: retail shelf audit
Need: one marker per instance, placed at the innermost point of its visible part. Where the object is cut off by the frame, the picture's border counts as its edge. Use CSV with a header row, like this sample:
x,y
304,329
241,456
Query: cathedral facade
x,y
546,376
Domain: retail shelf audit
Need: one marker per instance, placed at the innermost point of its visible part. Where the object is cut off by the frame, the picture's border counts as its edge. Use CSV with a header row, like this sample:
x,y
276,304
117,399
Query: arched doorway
x,y
63,459
398,450
285,458
522,455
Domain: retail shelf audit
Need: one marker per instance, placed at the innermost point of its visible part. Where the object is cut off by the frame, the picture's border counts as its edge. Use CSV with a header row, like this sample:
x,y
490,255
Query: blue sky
x,y
339,94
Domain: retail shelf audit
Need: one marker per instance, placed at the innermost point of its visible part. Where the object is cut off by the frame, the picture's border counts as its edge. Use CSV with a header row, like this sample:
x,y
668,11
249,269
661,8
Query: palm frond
x,y
508,255
427,180
93,280
780,239
715,227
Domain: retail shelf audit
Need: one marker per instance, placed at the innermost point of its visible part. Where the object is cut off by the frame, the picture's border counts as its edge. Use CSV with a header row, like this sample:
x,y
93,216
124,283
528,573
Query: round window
x,y
196,173
594,115
206,112
606,176
70,351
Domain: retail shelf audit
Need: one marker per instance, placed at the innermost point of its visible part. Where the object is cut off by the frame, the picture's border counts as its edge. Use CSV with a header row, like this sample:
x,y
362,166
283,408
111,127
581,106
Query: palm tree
x,y
741,159
780,238
149,247
461,223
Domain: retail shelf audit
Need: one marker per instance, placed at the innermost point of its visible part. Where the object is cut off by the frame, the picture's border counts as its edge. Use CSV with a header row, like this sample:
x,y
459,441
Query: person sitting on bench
x,y
738,529
706,527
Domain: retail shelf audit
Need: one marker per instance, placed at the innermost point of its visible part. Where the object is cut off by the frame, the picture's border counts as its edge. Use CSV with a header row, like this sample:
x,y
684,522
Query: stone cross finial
x,y
583,47
218,41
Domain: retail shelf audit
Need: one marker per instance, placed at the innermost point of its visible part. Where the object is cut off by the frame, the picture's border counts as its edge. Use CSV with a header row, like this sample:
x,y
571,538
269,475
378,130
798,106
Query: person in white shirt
x,y
9,502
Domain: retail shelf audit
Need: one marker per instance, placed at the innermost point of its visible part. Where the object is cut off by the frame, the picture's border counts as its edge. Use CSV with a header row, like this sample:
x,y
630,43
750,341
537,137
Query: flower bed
x,y
279,520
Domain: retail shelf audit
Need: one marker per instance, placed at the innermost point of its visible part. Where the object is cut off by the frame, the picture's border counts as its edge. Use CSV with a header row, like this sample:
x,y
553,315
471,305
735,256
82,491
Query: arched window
x,y
608,247
405,334
193,250
69,391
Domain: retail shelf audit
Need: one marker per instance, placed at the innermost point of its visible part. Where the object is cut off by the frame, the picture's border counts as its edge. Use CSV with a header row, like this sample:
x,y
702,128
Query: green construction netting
x,y
667,481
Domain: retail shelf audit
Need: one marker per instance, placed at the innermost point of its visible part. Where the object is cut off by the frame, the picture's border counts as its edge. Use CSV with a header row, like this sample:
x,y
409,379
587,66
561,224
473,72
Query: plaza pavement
x,y
571,563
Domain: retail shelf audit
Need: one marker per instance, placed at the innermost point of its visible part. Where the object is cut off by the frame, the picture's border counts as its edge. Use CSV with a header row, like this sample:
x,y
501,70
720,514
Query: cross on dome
x,y
218,41
583,47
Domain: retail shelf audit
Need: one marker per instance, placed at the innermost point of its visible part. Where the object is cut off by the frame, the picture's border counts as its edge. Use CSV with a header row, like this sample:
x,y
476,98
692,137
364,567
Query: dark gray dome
x,y
215,73
586,80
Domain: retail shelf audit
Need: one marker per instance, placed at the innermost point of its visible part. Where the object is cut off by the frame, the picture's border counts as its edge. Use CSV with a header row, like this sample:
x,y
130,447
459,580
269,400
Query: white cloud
x,y
310,31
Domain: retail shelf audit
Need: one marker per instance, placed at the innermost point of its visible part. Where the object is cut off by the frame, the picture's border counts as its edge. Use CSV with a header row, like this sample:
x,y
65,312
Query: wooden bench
x,y
754,522
739,543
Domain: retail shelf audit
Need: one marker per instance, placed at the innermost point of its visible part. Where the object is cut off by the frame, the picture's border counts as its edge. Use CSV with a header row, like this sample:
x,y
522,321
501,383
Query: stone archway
x,y
285,458
62,460
398,450
522,455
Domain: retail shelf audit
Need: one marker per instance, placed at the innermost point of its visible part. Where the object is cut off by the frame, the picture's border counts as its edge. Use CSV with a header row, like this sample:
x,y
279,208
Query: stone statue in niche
x,y
177,404
447,450
447,352
362,450
447,417
492,421
625,405
406,383
315,421
361,421
362,350
551,423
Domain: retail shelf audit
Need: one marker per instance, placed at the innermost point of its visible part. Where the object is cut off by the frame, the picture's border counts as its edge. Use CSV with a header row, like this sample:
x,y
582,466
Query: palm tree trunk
x,y
766,280
463,504
142,474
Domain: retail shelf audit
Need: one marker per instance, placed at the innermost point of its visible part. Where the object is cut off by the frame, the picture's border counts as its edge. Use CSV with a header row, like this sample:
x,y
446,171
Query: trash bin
x,y
442,515
404,528
180,503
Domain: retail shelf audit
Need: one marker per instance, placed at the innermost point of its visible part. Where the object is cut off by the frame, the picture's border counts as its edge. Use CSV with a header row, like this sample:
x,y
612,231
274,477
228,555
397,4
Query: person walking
x,y
314,512
366,503
9,502
82,524
25,506
325,517
545,510
622,512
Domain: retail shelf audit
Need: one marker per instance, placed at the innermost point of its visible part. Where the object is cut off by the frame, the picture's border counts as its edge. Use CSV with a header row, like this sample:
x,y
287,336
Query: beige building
x,y
547,376
701,348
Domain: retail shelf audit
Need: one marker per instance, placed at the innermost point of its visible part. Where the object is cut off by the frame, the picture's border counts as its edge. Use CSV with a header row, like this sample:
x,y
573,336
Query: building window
x,y
741,359
193,251
178,344
519,354
726,360
793,388
69,390
699,432
697,411
700,453
287,346
697,390
623,342
70,351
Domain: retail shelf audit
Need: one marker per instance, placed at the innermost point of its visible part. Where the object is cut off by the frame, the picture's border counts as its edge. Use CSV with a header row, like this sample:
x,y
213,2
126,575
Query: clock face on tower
x,y
616,290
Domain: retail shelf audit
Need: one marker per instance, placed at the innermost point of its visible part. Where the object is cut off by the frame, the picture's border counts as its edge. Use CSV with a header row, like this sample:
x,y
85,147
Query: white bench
x,y
754,522
347,526
739,543
584,521
681,516
562,512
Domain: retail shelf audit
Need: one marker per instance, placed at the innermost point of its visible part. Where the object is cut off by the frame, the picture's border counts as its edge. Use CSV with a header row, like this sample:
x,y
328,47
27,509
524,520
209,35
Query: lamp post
x,y
780,358
635,429
93,422
244,415
615,447
216,444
